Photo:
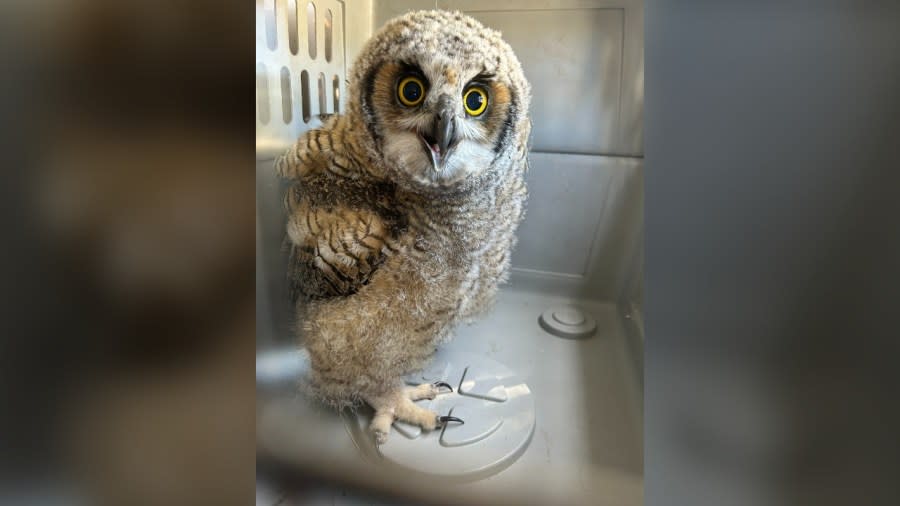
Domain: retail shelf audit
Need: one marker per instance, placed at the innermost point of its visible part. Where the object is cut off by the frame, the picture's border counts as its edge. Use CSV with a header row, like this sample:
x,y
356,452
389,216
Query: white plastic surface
x,y
586,447
496,405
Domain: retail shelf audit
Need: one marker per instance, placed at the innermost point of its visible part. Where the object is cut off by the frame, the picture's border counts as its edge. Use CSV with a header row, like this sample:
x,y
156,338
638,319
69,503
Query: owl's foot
x,y
399,405
427,390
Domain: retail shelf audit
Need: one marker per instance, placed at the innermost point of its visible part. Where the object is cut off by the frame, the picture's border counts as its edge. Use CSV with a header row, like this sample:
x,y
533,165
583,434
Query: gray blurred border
x,y
771,252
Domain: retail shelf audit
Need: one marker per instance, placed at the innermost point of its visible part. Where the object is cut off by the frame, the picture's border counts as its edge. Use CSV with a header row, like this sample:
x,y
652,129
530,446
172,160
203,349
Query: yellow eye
x,y
411,91
475,100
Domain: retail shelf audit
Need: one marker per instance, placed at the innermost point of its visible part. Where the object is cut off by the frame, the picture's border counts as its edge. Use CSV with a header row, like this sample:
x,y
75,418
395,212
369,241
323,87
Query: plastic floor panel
x,y
586,394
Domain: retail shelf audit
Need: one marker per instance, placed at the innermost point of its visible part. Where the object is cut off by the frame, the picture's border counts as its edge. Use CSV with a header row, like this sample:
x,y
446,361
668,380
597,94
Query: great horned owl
x,y
402,212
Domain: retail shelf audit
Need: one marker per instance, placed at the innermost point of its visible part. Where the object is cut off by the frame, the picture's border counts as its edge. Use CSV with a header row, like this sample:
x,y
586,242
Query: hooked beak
x,y
442,137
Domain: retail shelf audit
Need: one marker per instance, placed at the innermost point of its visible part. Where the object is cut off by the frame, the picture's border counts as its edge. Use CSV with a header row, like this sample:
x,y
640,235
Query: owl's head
x,y
443,98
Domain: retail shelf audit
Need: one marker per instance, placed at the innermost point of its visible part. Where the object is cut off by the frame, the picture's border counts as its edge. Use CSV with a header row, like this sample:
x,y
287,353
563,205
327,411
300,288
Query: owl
x,y
402,211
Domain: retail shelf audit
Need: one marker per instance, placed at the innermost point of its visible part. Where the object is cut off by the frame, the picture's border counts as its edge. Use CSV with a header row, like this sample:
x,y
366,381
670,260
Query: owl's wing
x,y
334,243
333,251
330,149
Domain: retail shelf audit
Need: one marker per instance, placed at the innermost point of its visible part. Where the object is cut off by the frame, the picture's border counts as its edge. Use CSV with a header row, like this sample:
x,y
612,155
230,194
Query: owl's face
x,y
442,96
440,122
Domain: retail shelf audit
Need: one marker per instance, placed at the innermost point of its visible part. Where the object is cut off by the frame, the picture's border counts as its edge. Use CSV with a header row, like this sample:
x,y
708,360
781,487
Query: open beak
x,y
442,137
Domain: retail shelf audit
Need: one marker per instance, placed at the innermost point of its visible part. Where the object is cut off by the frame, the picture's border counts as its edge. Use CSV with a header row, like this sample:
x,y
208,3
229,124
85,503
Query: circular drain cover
x,y
497,407
567,321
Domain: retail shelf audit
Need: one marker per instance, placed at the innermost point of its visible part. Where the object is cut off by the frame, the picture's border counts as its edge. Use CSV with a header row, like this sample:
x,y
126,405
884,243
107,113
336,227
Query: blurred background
x,y
128,226
772,250
771,264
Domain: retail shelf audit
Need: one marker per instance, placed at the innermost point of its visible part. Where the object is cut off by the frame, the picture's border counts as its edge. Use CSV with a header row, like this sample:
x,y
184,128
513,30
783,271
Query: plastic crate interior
x,y
577,266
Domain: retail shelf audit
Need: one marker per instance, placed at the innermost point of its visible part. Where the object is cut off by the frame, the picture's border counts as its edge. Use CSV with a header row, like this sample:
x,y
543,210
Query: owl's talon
x,y
439,384
443,419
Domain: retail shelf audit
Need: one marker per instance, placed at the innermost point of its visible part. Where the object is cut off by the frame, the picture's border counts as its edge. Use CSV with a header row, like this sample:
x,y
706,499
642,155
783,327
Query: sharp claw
x,y
440,384
446,418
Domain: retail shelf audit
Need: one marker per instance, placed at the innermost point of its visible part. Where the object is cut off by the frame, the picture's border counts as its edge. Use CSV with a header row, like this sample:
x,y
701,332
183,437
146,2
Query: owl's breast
x,y
465,247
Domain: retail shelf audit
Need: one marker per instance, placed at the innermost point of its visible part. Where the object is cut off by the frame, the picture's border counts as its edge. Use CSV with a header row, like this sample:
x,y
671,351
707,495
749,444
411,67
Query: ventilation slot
x,y
271,40
304,90
323,104
292,25
286,105
262,93
336,85
328,35
311,29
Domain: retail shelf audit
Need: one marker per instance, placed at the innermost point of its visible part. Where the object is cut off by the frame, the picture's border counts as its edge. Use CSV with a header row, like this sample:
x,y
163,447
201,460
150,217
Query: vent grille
x,y
300,69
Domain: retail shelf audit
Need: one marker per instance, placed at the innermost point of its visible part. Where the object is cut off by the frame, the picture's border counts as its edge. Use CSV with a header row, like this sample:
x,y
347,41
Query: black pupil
x,y
474,100
412,91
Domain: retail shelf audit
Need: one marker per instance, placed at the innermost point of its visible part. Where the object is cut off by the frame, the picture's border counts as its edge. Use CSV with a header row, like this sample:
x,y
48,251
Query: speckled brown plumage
x,y
389,249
